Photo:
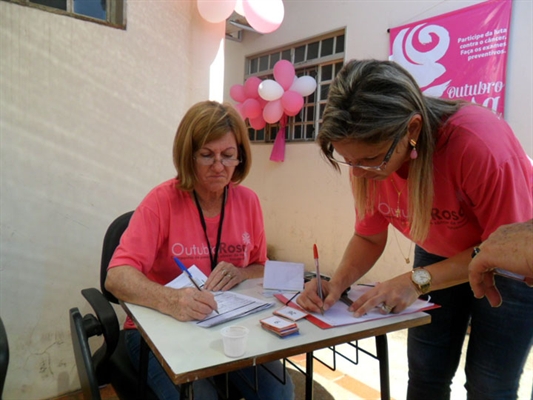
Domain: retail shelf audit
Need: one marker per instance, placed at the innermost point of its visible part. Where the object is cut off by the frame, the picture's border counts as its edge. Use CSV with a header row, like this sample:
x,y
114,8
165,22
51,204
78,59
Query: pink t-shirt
x,y
482,179
167,224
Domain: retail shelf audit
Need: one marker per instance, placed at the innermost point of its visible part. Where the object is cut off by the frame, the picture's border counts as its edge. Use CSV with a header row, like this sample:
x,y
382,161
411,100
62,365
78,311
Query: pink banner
x,y
458,55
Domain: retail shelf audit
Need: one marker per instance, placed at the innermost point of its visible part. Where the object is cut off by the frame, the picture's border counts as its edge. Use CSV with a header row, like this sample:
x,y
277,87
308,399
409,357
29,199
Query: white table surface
x,y
189,352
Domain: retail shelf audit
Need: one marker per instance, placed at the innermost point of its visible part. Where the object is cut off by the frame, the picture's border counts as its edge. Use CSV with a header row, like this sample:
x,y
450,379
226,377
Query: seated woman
x,y
205,218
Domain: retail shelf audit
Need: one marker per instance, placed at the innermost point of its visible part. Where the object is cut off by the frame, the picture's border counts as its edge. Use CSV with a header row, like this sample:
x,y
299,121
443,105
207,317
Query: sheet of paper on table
x,y
282,275
338,315
231,305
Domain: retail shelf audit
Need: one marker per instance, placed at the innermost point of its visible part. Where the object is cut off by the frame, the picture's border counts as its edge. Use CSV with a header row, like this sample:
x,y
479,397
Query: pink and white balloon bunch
x,y
264,16
269,100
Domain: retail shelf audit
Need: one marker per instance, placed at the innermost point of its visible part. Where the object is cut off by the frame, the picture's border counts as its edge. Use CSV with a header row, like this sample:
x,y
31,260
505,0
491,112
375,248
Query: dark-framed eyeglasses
x,y
380,167
211,159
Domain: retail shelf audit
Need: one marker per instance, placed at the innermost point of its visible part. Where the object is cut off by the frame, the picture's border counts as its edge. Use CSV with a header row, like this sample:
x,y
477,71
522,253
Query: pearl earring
x,y
414,153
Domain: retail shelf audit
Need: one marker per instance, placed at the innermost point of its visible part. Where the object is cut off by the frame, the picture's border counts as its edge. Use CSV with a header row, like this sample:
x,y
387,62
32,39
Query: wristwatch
x,y
422,280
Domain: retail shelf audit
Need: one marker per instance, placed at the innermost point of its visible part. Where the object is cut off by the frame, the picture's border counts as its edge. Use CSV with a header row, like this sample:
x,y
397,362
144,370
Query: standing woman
x,y
446,174
205,218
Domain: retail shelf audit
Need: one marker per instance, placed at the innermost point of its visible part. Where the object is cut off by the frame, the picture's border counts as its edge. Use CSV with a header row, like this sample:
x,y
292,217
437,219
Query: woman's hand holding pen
x,y
190,304
393,295
310,300
224,277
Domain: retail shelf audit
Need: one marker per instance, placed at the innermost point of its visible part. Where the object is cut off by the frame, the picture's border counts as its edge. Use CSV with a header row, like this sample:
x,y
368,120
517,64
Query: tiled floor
x,y
354,382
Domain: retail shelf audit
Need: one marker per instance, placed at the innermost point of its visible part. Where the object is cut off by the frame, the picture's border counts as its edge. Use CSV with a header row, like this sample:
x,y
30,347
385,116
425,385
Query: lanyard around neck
x,y
212,257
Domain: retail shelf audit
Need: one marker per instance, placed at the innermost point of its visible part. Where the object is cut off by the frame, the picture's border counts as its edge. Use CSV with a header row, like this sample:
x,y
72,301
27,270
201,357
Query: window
x,y
109,12
322,58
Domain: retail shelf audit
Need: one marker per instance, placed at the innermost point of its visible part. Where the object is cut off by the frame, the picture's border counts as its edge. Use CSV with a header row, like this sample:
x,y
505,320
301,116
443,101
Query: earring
x,y
414,153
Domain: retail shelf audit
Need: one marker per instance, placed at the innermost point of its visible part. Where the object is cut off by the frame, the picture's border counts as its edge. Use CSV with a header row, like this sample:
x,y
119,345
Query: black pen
x,y
186,271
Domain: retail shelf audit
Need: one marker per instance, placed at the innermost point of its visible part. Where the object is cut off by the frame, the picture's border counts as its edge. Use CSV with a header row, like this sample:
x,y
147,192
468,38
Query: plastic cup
x,y
234,338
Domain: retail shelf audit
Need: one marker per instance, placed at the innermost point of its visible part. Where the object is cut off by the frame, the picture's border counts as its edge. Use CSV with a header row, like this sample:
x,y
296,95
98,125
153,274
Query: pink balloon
x,y
250,87
238,106
258,123
237,93
251,108
284,73
216,11
264,16
273,111
292,103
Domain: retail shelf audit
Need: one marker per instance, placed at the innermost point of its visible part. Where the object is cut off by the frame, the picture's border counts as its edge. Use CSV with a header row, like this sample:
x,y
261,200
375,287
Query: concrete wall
x,y
304,200
87,118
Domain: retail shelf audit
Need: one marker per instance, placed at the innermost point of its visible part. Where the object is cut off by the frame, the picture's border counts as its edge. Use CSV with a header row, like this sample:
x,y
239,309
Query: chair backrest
x,y
111,241
82,352
4,356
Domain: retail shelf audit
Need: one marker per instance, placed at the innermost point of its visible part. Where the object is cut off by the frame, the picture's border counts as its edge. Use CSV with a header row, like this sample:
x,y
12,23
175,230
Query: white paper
x,y
183,280
231,305
286,276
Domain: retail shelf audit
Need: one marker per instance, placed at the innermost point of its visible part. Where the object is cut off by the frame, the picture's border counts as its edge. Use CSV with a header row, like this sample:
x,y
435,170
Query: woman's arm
x,y
129,284
400,292
510,247
359,257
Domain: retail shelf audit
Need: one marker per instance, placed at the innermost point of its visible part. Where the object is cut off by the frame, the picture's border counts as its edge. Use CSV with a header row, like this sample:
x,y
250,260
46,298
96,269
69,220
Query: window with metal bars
x,y
108,12
322,58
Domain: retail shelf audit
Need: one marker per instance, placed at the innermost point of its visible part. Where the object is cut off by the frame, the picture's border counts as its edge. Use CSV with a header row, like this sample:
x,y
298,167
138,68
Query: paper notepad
x,y
285,276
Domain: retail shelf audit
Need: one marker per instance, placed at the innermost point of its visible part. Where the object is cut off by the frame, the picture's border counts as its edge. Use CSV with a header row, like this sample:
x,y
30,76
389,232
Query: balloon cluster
x,y
262,15
269,100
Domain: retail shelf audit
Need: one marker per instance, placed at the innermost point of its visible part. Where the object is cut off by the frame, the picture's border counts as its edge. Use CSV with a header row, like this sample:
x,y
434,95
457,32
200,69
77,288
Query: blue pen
x,y
185,270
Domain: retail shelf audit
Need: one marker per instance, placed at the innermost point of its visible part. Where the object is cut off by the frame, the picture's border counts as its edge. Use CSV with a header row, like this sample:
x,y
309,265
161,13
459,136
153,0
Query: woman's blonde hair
x,y
373,101
204,122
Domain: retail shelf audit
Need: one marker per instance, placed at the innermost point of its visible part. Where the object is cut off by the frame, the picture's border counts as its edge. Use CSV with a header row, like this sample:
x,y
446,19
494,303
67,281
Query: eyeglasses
x,y
210,160
379,167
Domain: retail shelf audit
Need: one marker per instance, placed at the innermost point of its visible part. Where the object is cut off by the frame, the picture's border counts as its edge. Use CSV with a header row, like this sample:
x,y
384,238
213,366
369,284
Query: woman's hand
x,y
310,301
190,304
224,277
394,295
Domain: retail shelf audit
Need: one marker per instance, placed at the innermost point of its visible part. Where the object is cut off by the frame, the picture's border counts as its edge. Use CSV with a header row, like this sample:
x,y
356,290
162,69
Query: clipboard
x,y
338,315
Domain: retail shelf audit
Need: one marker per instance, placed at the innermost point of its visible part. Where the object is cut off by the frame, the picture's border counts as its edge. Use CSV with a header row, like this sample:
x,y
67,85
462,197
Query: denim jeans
x,y
498,347
204,389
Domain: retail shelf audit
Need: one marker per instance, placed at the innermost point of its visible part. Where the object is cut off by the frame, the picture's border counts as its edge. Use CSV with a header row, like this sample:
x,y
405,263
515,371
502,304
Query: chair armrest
x,y
106,315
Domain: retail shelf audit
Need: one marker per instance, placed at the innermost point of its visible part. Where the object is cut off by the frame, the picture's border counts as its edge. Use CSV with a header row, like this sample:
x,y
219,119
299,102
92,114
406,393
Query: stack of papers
x,y
279,326
231,305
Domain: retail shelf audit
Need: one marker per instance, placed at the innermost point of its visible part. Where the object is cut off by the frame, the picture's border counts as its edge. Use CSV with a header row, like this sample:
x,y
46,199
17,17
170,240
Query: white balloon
x,y
270,90
305,85
239,8
215,11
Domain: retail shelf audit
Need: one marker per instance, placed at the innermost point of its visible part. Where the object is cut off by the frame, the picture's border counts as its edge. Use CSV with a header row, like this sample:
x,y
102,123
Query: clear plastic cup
x,y
234,338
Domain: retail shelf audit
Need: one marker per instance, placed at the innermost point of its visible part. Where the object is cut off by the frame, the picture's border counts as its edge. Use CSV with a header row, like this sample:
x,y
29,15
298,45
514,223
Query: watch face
x,y
421,276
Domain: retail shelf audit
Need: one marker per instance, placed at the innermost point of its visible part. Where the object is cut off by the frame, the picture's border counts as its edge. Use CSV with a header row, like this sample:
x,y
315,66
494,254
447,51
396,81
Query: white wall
x,y
304,201
87,118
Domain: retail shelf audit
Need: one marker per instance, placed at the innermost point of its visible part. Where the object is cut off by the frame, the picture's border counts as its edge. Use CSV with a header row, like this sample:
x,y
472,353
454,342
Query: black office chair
x,y
4,356
110,363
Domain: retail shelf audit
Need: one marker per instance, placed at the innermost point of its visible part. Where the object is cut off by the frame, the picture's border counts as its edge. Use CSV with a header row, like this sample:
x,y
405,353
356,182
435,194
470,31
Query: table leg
x,y
383,357
143,368
309,376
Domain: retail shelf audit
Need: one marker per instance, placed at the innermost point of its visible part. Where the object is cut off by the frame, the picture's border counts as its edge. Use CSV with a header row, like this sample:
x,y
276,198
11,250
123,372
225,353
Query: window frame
x,y
297,127
115,12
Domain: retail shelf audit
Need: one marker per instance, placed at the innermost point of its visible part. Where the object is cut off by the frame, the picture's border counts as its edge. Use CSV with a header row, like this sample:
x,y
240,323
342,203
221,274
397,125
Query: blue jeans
x,y
498,347
204,389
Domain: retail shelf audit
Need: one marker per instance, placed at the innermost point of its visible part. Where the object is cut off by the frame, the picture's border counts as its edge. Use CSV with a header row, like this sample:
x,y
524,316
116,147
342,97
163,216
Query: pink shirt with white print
x,y
167,224
482,179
